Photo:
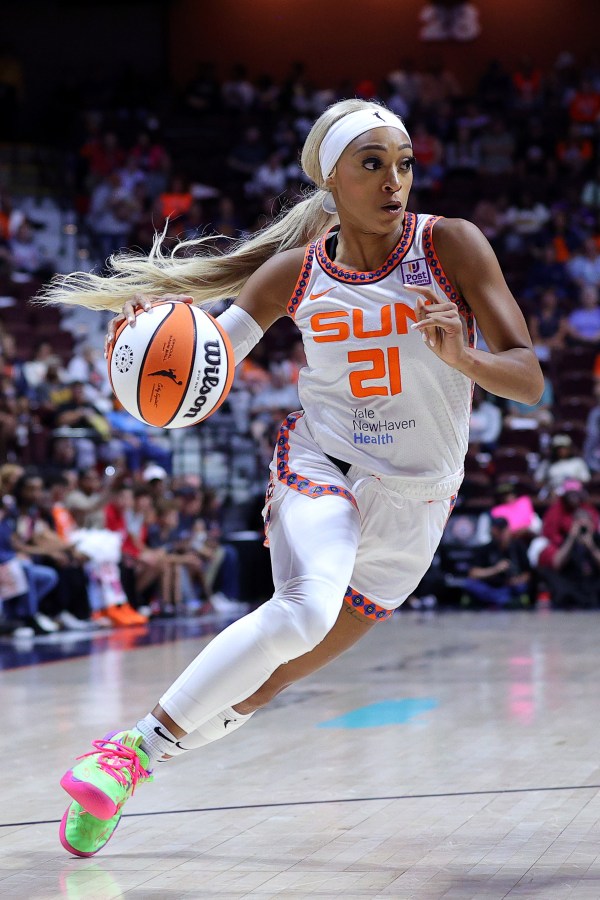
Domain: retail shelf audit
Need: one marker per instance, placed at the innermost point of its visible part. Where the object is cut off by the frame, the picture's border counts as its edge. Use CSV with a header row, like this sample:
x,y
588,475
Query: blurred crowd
x,y
79,551
517,153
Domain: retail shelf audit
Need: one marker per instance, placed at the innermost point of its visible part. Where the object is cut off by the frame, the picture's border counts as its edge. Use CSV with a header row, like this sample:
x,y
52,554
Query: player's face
x,y
372,181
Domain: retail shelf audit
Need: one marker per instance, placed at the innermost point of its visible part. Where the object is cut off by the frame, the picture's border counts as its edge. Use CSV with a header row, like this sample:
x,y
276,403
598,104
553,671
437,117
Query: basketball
x,y
174,368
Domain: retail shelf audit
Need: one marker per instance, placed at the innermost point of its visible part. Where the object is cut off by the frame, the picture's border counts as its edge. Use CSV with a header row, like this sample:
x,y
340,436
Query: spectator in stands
x,y
89,495
248,155
544,271
36,368
517,508
237,92
524,220
501,574
528,84
584,266
153,160
583,324
227,220
590,195
202,94
37,541
534,154
591,447
490,217
574,153
486,421
564,463
584,108
221,568
570,562
102,154
497,147
548,324
131,175
429,152
78,413
141,567
9,475
269,180
183,582
110,217
23,583
102,551
26,254
561,233
87,367
9,417
462,155
175,201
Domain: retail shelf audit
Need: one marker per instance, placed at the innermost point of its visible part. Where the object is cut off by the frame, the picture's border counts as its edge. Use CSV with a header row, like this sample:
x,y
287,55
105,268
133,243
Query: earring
x,y
328,204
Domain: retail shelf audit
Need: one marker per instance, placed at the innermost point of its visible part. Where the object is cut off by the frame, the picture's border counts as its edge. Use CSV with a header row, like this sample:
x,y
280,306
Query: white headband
x,y
349,127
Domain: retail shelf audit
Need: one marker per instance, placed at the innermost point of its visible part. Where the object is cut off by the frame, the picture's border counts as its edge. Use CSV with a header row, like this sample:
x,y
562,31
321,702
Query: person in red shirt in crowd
x,y
584,108
119,516
175,201
575,151
528,83
142,567
570,561
103,155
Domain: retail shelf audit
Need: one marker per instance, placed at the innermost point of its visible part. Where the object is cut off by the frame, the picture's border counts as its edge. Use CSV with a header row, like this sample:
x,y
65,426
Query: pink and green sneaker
x,y
107,776
83,834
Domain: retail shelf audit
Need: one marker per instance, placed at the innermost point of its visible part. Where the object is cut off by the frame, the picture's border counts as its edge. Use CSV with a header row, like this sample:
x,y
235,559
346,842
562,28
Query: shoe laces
x,y
119,761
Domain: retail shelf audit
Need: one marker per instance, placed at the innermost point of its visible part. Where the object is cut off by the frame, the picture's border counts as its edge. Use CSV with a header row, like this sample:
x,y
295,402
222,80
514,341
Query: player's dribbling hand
x,y
440,324
128,312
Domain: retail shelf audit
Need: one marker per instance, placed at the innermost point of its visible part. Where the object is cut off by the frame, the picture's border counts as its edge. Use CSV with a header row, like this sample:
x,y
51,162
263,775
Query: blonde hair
x,y
193,268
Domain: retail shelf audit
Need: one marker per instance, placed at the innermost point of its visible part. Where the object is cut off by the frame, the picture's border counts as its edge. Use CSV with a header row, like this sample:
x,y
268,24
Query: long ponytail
x,y
193,268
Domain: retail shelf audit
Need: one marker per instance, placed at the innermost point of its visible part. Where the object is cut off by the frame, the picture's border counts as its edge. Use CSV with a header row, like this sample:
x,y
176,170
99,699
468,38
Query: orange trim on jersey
x,y
391,263
302,283
444,282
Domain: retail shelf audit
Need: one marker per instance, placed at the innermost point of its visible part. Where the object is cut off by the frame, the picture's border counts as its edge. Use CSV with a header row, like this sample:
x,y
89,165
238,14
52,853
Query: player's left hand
x,y
440,324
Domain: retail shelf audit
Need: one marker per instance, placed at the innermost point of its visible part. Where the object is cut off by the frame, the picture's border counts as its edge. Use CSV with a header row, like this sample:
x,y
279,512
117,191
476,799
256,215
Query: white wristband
x,y
242,330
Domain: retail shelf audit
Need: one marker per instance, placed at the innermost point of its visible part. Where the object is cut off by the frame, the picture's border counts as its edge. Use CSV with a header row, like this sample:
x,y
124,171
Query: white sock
x,y
216,728
158,740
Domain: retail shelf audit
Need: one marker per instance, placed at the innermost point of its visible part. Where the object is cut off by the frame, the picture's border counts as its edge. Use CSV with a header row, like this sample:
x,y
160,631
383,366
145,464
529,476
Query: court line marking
x,y
207,809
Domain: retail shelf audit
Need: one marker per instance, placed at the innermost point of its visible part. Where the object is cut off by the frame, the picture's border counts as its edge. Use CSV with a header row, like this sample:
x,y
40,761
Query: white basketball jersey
x,y
374,394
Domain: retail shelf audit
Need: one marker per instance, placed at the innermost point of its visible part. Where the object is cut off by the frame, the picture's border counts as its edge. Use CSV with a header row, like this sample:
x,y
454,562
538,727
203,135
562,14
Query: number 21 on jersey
x,y
384,367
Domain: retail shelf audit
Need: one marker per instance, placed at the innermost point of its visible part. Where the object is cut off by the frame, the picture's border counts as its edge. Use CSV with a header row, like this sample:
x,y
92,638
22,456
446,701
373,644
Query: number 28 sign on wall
x,y
449,20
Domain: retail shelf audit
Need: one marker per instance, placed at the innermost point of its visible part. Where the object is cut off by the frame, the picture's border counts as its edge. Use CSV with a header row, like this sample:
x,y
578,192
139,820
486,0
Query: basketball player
x,y
364,479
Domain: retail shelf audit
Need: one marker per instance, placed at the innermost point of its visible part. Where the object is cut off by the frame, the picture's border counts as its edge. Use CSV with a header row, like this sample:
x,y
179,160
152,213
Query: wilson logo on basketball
x,y
210,379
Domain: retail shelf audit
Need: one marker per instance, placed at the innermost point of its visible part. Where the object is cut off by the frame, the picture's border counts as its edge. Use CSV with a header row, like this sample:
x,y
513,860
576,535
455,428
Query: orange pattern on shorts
x,y
365,606
292,479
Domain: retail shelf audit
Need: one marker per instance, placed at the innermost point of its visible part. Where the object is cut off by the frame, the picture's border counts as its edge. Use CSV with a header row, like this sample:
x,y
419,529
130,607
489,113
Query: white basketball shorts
x,y
397,538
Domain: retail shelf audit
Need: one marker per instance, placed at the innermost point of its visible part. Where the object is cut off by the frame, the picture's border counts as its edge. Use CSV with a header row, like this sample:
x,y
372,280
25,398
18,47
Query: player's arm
x,y
262,300
511,368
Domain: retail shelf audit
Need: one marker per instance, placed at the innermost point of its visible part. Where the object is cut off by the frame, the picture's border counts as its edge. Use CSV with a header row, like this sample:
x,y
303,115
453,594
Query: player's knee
x,y
302,613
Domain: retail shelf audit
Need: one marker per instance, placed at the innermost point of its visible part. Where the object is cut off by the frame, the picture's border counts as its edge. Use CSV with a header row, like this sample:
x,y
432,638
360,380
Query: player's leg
x,y
396,535
313,544
349,627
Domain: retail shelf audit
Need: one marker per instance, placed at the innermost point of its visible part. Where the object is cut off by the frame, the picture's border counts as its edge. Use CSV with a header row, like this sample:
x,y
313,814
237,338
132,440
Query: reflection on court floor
x,y
449,756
